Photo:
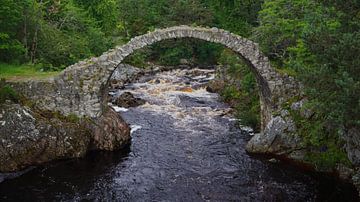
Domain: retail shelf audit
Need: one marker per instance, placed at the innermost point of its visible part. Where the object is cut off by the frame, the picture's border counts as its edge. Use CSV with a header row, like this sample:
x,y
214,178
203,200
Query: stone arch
x,y
87,79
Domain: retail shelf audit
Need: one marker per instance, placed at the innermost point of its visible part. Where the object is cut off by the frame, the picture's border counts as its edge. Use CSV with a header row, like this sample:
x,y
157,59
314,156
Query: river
x,y
186,146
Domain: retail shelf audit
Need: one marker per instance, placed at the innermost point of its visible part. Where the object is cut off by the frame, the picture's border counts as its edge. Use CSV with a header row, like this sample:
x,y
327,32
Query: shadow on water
x,y
62,179
325,186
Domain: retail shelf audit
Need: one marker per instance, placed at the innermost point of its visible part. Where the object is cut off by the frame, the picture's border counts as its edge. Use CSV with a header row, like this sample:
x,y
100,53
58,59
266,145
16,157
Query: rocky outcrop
x,y
110,132
352,146
127,100
279,138
27,138
352,138
31,136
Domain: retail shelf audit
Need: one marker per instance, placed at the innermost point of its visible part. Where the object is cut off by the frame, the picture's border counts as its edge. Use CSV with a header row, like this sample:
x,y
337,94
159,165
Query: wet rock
x,y
299,106
128,100
199,86
210,89
145,78
356,180
344,172
273,160
12,175
184,61
352,138
278,138
110,132
184,66
298,155
215,86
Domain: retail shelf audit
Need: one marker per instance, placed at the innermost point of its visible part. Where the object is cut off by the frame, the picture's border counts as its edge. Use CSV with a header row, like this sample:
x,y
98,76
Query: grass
x,y
287,71
13,72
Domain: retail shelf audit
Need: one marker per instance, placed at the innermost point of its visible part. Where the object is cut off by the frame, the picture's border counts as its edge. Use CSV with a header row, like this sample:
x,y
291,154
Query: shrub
x,y
8,93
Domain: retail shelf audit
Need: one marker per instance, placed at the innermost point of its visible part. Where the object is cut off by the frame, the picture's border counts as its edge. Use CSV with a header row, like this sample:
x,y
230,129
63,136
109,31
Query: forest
x,y
315,41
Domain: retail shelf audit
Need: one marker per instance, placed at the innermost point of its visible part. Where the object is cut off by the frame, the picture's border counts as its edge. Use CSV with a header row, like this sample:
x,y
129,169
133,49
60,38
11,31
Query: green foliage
x,y
8,93
239,16
72,118
318,42
169,52
140,16
328,157
325,149
229,93
10,16
105,12
52,32
138,58
243,94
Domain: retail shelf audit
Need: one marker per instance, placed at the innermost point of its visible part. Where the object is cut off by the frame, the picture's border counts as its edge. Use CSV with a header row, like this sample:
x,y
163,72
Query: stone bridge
x,y
81,89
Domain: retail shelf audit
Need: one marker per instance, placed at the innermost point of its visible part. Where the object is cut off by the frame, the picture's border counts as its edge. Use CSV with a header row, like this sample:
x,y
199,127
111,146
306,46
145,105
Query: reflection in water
x,y
185,147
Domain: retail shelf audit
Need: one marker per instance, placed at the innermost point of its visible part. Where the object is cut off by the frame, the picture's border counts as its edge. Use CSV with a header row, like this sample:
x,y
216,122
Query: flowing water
x,y
186,146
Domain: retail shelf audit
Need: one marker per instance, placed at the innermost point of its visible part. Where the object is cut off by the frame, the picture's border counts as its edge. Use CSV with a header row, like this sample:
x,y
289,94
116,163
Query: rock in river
x,y
127,100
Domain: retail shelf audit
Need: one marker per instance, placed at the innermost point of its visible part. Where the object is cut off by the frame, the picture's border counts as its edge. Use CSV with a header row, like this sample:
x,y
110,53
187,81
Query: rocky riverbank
x,y
31,136
281,138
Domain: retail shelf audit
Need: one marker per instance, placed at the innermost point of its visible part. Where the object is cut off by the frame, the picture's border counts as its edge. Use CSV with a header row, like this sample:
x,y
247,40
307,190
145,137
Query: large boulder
x,y
352,138
279,137
127,100
110,131
32,136
27,138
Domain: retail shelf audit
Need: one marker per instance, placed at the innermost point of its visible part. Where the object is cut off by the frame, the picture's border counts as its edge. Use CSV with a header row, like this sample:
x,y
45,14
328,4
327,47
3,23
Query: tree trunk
x,y
34,45
25,43
35,37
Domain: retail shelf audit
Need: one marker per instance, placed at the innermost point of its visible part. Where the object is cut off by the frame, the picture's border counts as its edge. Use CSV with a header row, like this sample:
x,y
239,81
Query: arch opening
x,y
233,78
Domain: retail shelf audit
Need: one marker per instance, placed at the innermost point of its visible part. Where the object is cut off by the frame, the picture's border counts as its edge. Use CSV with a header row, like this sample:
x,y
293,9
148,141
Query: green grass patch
x,y
287,71
25,71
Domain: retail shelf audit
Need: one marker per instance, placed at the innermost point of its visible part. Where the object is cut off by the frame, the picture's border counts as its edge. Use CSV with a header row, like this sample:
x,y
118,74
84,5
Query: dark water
x,y
185,147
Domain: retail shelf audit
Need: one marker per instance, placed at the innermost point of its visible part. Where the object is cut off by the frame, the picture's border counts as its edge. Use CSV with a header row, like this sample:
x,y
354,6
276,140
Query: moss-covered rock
x,y
29,136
